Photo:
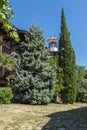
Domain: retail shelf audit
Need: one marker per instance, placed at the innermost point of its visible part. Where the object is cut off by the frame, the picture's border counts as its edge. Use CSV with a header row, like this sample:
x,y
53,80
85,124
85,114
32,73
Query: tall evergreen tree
x,y
34,83
81,83
67,63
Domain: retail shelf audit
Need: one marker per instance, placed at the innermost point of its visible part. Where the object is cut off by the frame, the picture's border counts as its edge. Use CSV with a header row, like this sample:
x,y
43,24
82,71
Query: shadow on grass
x,y
75,119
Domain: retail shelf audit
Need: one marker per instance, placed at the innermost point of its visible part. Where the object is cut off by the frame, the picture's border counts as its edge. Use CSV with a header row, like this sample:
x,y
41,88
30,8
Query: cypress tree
x,y
67,63
34,83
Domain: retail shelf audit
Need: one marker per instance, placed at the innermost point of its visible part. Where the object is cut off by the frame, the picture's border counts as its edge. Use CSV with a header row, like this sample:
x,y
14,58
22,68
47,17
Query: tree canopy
x,y
6,12
67,63
35,79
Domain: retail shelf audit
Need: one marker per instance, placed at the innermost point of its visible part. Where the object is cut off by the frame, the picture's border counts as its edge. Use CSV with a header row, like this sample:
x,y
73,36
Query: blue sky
x,y
47,15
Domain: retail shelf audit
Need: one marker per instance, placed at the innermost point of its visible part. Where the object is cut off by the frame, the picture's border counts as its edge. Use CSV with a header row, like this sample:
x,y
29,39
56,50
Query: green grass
x,y
39,117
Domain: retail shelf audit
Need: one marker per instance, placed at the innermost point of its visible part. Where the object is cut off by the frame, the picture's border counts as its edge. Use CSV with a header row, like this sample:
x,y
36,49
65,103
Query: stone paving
x,y
68,120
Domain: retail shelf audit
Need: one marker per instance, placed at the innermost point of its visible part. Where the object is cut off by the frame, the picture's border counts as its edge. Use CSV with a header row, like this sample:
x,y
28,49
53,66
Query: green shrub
x,y
5,95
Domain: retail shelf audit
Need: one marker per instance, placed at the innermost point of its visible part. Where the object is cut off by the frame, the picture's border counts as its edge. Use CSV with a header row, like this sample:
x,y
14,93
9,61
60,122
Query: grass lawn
x,y
39,117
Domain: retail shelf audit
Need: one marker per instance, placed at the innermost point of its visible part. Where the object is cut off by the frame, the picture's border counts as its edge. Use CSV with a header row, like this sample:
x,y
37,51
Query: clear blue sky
x,y
47,15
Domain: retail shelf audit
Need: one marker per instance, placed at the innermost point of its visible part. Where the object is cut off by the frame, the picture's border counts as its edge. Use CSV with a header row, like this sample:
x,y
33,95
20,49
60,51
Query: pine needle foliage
x,y
35,80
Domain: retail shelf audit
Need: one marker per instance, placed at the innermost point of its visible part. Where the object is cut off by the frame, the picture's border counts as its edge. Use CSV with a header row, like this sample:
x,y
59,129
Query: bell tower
x,y
53,45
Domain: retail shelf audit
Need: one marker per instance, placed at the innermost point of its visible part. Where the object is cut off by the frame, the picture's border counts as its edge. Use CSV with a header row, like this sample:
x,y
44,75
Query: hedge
x,y
5,95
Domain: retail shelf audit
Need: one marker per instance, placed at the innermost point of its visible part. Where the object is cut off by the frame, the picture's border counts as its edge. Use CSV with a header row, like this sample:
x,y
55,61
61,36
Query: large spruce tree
x,y
67,63
34,83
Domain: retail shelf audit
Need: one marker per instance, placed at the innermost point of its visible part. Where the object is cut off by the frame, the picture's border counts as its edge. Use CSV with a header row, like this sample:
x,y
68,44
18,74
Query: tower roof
x,y
52,40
